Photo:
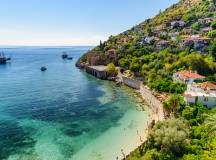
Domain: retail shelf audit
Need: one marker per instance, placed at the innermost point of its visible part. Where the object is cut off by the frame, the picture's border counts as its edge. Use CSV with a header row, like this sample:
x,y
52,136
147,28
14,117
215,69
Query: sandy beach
x,y
155,114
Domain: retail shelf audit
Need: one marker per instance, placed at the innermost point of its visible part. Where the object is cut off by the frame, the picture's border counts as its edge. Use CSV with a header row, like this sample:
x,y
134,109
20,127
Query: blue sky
x,y
71,22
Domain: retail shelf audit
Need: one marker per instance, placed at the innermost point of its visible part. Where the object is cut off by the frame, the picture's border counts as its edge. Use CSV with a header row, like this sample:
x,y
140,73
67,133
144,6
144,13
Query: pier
x,y
97,71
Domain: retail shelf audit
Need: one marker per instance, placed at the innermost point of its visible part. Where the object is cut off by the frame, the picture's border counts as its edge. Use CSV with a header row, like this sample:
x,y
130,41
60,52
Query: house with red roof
x,y
197,41
203,87
187,77
203,93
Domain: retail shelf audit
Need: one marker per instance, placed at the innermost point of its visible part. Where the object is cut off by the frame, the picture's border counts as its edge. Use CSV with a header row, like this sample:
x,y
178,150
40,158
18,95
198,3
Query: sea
x,y
63,113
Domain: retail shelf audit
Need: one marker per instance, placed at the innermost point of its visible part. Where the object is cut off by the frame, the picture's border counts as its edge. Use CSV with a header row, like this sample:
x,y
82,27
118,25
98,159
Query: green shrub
x,y
213,24
212,34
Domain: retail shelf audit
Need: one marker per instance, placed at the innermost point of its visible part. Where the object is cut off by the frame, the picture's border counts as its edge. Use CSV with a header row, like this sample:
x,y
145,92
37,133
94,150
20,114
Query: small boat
x,y
3,59
70,58
43,69
64,55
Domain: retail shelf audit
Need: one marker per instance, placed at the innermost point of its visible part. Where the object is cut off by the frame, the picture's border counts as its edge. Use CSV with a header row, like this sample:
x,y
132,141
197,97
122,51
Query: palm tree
x,y
211,124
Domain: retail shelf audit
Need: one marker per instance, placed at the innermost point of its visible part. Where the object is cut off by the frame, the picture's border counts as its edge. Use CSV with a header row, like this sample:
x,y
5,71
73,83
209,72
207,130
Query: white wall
x,y
210,103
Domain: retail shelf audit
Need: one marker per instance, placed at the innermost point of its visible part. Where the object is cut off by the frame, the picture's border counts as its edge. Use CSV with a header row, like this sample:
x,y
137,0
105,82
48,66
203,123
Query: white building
x,y
204,93
149,40
187,77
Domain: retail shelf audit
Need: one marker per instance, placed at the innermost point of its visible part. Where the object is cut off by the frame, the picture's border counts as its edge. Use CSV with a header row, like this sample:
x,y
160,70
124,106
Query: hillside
x,y
180,40
181,37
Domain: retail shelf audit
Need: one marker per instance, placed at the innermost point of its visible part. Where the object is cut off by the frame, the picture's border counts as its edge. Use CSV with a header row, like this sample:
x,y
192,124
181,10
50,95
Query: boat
x,y
64,55
70,58
3,59
43,69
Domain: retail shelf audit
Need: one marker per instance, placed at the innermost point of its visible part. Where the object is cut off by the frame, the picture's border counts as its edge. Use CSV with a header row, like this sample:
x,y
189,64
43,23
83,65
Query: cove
x,y
63,113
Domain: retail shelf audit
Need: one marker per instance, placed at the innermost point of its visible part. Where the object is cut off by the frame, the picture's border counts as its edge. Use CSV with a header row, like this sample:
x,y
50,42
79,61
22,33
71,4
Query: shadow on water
x,y
13,139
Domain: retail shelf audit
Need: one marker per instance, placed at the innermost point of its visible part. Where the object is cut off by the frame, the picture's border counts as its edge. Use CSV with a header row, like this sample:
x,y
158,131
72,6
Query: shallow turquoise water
x,y
62,113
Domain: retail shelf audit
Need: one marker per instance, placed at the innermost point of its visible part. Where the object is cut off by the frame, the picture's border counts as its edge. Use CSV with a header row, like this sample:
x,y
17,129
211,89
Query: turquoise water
x,y
62,113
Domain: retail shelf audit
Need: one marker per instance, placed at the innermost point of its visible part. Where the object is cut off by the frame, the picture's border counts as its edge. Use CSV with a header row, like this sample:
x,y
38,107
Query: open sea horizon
x,y
62,113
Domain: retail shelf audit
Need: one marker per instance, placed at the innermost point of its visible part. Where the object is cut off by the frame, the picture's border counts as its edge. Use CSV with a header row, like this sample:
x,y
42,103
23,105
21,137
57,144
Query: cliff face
x,y
185,28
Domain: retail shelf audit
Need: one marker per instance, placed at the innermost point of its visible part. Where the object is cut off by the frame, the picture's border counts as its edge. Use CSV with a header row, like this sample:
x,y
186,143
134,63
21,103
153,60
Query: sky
x,y
71,22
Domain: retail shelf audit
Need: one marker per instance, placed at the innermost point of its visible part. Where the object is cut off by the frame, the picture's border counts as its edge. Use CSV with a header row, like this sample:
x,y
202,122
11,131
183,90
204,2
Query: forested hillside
x,y
181,37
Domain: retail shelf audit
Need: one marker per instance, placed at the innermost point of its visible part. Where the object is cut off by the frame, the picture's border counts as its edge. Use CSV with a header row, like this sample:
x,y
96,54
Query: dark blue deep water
x,y
53,114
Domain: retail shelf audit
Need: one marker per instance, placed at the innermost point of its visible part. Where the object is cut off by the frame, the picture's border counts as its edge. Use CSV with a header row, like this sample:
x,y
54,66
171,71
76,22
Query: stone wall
x,y
152,101
133,83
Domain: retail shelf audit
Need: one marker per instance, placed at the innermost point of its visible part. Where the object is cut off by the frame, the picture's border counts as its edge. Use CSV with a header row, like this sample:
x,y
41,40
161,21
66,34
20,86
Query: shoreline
x,y
155,114
142,136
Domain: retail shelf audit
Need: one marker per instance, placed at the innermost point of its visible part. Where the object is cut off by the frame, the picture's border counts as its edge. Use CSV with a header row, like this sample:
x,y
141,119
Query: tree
x,y
170,136
123,62
213,50
211,124
212,34
197,62
196,26
111,69
134,67
188,113
213,24
173,103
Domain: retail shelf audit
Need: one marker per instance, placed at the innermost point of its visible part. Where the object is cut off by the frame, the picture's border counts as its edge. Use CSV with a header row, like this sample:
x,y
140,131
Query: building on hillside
x,y
112,54
166,23
187,31
162,44
201,43
158,29
203,87
204,93
121,41
188,4
205,21
187,77
206,30
173,35
93,59
177,24
150,40
196,41
177,18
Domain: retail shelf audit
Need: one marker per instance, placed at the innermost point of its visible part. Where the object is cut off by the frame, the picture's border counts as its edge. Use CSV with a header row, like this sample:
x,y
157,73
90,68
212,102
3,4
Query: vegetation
x,y
189,138
157,65
111,69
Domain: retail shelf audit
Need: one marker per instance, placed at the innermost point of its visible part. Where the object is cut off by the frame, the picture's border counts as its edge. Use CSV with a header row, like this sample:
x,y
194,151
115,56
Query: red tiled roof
x,y
192,38
207,85
189,74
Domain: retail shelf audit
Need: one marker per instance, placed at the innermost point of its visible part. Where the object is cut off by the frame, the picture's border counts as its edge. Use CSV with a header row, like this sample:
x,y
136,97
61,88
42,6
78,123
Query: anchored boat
x,y
3,58
64,55
43,69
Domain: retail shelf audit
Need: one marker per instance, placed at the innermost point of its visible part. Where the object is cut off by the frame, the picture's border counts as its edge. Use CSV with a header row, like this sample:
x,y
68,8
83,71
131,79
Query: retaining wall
x,y
133,83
